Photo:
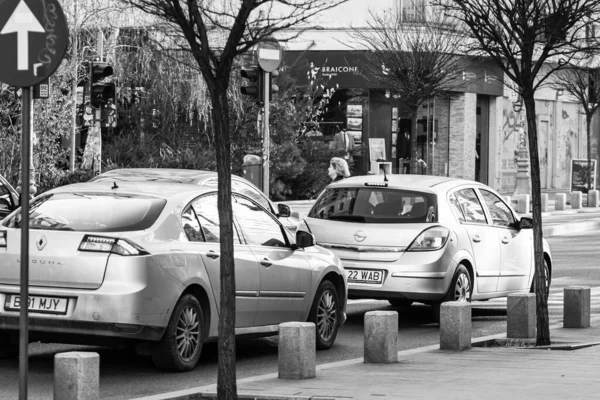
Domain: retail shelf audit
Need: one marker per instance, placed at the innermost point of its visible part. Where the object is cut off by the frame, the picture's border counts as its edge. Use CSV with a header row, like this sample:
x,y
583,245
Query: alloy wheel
x,y
188,333
462,288
327,315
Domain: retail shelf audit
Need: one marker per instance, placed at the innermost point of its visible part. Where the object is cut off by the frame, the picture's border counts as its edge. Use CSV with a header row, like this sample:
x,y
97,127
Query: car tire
x,y
180,347
402,303
461,289
548,279
325,314
9,346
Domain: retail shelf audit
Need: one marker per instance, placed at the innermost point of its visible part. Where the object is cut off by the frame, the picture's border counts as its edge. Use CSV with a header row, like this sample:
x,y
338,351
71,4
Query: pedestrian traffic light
x,y
255,75
101,92
273,88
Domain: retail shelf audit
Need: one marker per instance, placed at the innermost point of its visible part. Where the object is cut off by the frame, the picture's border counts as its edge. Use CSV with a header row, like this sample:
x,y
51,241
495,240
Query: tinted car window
x,y
6,201
375,205
257,226
208,217
191,226
91,212
501,214
245,189
470,206
455,207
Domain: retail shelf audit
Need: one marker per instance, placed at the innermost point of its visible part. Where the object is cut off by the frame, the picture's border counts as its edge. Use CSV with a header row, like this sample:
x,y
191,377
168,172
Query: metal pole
x,y
97,162
24,281
74,91
433,135
266,144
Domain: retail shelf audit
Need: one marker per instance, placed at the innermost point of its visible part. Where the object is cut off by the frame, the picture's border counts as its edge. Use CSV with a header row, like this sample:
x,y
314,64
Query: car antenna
x,y
115,185
385,179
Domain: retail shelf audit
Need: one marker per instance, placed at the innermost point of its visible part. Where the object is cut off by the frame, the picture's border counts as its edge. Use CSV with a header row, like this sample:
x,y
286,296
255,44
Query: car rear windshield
x,y
91,212
376,204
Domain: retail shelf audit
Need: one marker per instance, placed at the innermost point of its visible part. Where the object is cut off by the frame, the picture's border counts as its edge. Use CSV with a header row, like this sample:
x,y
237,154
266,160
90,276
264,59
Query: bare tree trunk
x,y
413,141
588,119
543,326
226,381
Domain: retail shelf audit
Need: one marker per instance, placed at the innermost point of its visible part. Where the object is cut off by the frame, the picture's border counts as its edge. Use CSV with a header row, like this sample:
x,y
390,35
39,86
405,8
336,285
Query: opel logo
x,y
41,242
360,236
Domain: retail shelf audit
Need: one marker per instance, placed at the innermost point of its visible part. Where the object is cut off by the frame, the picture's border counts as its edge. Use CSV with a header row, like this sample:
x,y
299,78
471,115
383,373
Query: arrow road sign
x,y
22,21
33,40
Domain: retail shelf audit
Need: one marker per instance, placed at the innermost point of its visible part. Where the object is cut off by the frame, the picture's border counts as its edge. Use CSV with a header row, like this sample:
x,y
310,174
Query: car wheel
x,y
548,279
9,346
325,314
180,347
460,289
402,303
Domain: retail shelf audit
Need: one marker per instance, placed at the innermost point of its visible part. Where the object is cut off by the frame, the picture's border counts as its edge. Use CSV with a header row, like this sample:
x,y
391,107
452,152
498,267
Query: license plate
x,y
38,304
370,276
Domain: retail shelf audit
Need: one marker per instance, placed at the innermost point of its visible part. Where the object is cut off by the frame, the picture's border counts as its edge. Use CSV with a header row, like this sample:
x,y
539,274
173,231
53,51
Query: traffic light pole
x,y
266,142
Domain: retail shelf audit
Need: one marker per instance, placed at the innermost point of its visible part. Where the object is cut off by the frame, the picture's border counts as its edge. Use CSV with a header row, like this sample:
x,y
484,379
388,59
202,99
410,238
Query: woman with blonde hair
x,y
338,169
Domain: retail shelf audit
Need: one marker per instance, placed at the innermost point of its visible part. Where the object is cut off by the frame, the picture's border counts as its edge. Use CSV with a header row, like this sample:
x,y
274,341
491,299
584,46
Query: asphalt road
x,y
125,376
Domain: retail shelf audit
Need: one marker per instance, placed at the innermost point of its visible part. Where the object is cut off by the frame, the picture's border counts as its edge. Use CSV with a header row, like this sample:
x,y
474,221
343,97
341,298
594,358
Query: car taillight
x,y
2,238
430,239
103,244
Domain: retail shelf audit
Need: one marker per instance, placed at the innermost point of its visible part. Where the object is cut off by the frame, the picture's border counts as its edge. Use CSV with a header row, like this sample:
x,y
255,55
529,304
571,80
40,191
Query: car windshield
x,y
375,205
91,212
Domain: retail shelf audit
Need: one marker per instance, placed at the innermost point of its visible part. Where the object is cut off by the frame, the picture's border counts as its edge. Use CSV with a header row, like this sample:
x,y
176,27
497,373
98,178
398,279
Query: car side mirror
x,y
284,210
526,223
304,239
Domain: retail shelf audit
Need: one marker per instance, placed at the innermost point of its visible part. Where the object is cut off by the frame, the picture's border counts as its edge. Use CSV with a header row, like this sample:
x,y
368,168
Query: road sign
x,y
269,56
33,40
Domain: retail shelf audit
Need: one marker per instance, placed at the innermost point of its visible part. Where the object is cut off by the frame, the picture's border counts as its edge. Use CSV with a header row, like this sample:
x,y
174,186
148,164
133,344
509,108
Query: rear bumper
x,y
135,301
415,276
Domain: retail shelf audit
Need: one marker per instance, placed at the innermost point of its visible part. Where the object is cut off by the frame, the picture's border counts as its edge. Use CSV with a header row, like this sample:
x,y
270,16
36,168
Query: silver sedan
x,y
140,262
408,238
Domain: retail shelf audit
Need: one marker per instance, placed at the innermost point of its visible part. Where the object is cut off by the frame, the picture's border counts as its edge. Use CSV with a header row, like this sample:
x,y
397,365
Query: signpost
x,y
269,58
33,40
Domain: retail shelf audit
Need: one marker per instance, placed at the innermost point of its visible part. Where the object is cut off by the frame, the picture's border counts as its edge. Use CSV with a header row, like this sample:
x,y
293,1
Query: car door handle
x,y
505,240
476,239
265,262
212,254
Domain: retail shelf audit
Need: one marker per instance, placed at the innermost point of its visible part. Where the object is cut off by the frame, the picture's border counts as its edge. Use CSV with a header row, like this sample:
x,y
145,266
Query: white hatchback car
x,y
408,238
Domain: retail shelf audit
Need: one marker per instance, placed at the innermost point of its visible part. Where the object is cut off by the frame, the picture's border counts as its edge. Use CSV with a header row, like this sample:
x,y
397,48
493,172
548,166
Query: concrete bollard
x,y
520,316
544,202
381,337
561,202
576,200
455,325
593,198
297,350
576,307
523,204
77,376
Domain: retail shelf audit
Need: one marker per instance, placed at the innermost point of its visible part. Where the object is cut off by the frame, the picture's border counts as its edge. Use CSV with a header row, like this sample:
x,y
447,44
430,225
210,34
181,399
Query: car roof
x,y
412,182
162,190
162,174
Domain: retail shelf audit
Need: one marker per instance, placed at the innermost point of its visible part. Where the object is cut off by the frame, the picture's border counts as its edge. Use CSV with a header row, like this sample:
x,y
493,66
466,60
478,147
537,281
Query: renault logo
x,y
360,236
41,242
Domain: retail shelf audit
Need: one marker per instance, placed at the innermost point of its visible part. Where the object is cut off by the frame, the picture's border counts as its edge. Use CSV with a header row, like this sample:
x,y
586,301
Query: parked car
x,y
408,238
9,198
140,262
207,178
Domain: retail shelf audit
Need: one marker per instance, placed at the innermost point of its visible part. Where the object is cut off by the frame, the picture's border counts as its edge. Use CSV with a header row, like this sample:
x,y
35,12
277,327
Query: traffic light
x,y
255,75
101,92
273,88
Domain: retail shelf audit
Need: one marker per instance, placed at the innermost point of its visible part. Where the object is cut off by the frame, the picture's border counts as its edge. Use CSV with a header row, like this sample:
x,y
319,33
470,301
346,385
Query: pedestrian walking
x,y
338,169
342,141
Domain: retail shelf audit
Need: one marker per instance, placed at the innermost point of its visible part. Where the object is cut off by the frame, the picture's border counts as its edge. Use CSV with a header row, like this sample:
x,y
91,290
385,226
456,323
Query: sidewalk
x,y
570,370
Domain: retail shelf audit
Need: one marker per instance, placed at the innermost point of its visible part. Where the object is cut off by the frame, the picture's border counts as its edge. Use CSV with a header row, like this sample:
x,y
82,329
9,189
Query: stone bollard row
x,y
455,325
381,337
77,376
576,307
520,316
593,199
561,202
297,350
576,200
